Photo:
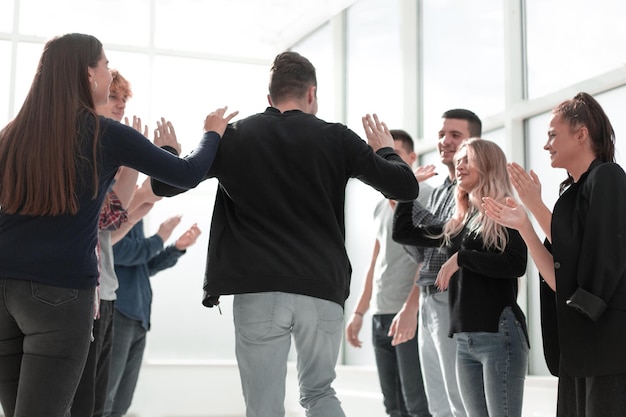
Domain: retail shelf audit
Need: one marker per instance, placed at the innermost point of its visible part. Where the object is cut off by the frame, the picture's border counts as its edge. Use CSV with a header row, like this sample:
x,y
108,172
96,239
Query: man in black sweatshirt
x,y
277,235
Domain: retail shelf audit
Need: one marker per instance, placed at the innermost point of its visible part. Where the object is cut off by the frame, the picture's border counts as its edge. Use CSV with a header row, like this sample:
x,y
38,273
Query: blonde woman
x,y
481,276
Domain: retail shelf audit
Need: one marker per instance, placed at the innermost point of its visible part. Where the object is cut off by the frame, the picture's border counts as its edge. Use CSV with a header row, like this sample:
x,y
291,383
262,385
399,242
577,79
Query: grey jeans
x,y
264,325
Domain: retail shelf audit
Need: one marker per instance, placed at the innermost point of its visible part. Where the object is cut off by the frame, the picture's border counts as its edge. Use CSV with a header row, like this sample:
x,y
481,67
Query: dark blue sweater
x,y
136,259
61,250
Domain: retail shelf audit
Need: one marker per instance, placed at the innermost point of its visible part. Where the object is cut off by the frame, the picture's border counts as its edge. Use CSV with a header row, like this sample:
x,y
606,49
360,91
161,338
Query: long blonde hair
x,y
493,181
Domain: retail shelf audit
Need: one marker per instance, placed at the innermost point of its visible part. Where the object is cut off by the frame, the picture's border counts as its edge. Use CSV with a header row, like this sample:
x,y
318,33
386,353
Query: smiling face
x,y
114,109
452,133
562,143
467,173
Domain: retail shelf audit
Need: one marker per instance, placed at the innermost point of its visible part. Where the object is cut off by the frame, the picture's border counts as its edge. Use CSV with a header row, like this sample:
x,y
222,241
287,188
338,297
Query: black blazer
x,y
589,249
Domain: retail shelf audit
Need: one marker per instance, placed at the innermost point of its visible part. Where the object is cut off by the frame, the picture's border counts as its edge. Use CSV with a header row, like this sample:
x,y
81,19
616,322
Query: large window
x,y
572,40
117,21
319,48
374,72
463,59
374,79
6,17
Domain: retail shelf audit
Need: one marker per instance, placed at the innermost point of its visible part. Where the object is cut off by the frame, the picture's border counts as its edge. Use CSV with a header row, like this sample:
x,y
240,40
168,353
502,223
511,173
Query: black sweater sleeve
x,y
406,233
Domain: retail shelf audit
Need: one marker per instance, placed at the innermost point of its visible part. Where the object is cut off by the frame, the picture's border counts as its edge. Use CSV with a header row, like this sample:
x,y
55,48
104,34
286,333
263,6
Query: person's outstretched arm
x,y
405,232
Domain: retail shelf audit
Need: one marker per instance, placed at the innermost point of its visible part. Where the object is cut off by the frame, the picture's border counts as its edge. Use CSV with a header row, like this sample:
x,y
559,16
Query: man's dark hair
x,y
404,137
473,122
291,76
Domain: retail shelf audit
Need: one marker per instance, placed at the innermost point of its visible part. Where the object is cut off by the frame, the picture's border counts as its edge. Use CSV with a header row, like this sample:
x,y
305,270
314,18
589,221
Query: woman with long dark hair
x,y
57,161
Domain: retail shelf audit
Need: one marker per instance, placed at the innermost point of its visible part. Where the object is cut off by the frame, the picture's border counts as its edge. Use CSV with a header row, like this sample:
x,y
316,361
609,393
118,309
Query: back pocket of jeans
x,y
51,295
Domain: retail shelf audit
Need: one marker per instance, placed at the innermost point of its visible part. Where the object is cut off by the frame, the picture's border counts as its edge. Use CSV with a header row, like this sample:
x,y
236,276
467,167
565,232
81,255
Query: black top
x,y
487,280
278,220
589,249
61,250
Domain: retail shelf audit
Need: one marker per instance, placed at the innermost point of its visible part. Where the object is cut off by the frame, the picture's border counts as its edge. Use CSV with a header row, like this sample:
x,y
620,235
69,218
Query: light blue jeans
x,y
264,325
438,356
491,368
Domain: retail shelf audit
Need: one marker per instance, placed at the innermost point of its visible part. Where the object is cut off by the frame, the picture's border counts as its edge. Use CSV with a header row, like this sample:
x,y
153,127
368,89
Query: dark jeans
x,y
129,343
45,334
92,389
399,371
596,396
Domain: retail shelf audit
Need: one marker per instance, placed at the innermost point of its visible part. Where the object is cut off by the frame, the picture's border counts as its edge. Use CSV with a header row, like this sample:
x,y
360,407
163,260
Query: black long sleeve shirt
x,y
486,281
278,220
61,250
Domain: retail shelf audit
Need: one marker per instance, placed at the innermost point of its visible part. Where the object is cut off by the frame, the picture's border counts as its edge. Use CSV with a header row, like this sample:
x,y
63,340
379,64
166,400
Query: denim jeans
x,y
45,333
129,343
492,367
438,356
264,325
399,371
92,389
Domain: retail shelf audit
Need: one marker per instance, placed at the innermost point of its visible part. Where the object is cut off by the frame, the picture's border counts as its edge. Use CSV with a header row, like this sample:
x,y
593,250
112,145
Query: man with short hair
x,y
388,283
437,350
277,235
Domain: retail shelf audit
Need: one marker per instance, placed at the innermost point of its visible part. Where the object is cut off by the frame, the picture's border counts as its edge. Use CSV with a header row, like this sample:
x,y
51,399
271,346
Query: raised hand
x,y
510,215
167,227
137,125
526,184
164,135
188,238
217,122
424,172
378,136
